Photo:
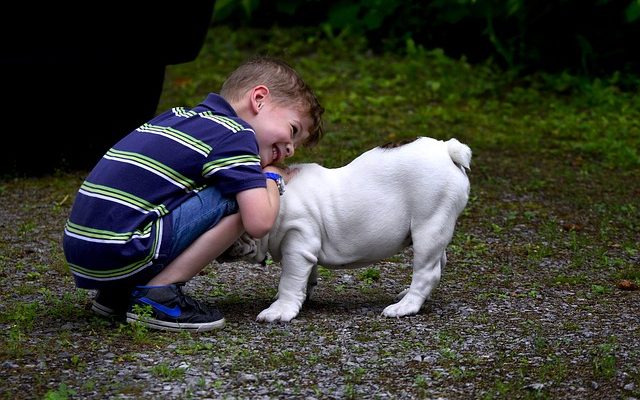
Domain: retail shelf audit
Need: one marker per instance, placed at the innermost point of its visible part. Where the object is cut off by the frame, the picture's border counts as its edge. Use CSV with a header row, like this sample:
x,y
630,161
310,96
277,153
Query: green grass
x,y
371,99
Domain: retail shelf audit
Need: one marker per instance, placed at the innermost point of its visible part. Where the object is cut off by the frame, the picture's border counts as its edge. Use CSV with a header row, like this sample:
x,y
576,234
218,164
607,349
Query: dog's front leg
x,y
296,268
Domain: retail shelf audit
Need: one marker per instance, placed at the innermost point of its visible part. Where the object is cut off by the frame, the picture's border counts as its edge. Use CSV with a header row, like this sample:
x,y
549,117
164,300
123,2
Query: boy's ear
x,y
258,97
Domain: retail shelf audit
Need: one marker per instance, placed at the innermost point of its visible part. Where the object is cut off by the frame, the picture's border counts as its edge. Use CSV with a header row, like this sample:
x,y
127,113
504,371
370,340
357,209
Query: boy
x,y
171,196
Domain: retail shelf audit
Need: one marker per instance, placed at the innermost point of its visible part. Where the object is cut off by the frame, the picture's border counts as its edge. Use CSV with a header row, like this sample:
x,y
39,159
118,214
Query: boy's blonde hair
x,y
285,86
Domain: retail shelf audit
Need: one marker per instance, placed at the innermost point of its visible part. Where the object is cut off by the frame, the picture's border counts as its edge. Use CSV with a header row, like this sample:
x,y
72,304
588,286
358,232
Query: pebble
x,y
247,378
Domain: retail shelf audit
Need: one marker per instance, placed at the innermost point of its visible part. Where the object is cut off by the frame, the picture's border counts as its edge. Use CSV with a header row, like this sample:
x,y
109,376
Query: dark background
x,y
588,37
77,78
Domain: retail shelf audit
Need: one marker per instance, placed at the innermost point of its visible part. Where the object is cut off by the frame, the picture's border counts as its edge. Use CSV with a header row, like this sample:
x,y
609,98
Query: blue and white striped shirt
x,y
116,227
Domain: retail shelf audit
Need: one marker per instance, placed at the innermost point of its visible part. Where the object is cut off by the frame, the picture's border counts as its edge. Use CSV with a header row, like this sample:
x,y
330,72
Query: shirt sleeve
x,y
234,164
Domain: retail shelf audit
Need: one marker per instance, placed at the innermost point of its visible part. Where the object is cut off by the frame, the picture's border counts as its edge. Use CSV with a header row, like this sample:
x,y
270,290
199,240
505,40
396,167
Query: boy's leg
x,y
171,309
201,252
204,227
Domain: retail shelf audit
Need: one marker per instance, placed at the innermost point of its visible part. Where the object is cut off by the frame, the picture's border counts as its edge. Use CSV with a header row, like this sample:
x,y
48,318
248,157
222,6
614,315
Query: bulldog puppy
x,y
386,199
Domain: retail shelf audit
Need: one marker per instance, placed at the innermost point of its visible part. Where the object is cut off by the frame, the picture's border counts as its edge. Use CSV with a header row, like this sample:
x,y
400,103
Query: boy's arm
x,y
259,208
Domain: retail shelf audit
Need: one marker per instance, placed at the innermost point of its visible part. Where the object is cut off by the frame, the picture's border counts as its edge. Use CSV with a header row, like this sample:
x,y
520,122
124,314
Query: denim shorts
x,y
196,216
190,220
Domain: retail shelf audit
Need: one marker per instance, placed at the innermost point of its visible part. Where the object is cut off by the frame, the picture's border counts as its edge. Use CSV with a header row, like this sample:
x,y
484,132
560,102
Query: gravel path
x,y
522,311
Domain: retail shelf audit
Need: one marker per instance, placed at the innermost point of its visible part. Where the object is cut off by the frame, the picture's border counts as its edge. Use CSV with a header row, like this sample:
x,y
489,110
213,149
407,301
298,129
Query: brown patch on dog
x,y
393,145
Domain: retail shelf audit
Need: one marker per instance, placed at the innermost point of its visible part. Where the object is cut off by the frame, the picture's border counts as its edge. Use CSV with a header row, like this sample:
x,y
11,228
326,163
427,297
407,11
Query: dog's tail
x,y
460,153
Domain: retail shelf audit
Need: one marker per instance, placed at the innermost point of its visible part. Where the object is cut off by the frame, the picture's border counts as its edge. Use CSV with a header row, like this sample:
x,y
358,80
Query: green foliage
x,y
370,275
226,9
519,35
62,393
370,100
604,360
632,12
629,272
67,306
361,16
137,330
324,273
23,315
165,372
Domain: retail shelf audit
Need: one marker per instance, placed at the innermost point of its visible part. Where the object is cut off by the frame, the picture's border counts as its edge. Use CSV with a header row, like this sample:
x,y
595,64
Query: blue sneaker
x,y
171,310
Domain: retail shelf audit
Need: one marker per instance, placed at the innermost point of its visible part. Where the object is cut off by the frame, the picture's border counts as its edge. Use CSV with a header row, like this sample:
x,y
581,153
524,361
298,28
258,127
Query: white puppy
x,y
386,199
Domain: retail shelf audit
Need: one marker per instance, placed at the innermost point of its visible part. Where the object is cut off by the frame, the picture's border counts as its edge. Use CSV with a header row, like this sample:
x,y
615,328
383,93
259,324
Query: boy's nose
x,y
289,149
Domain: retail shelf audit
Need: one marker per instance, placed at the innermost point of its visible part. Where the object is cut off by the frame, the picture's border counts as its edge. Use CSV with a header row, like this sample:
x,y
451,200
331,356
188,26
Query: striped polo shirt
x,y
116,227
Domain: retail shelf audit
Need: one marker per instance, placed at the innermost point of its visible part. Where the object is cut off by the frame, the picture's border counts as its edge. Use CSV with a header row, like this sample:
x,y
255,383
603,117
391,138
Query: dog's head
x,y
246,248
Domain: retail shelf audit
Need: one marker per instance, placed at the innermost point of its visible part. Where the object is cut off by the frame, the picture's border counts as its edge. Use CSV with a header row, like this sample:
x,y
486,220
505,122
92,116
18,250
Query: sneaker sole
x,y
175,326
104,310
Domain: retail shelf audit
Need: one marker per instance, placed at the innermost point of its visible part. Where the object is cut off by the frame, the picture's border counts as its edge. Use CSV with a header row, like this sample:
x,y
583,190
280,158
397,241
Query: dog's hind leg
x,y
429,256
443,262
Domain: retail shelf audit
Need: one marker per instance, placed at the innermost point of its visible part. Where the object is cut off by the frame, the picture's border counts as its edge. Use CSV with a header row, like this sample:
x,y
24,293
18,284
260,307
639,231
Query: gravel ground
x,y
531,305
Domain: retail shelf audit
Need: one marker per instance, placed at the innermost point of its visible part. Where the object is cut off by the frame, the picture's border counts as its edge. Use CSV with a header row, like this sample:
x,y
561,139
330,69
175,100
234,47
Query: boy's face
x,y
279,130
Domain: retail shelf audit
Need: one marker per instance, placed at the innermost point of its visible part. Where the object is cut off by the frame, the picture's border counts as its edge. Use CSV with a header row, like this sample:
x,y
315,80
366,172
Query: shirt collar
x,y
218,104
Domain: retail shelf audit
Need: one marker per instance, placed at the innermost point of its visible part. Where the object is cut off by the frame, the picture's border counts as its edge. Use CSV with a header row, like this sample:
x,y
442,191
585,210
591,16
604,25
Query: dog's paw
x,y
401,294
409,305
279,311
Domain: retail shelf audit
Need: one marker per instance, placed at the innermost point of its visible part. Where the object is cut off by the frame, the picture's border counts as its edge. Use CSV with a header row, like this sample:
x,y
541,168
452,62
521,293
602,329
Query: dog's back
x,y
433,170
380,194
